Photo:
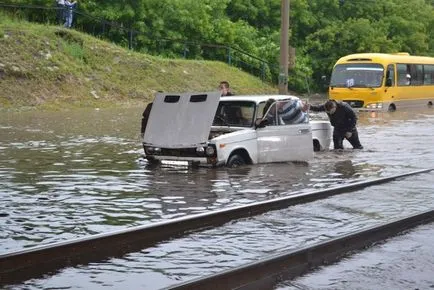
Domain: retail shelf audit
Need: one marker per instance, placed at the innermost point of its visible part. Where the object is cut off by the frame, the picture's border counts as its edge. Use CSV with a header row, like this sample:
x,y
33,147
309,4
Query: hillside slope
x,y
52,67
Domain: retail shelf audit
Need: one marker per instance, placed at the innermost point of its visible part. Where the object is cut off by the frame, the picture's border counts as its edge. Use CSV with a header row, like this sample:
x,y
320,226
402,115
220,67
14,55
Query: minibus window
x,y
357,75
404,76
428,74
390,76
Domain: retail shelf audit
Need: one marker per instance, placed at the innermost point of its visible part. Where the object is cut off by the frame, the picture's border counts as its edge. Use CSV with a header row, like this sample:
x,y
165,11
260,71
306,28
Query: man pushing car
x,y
343,119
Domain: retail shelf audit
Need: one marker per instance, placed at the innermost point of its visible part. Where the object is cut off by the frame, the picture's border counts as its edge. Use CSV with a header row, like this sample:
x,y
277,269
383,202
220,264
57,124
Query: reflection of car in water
x,y
202,129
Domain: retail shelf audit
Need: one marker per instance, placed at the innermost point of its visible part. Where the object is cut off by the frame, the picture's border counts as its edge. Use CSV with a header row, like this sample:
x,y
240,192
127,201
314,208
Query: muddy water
x,y
396,264
71,174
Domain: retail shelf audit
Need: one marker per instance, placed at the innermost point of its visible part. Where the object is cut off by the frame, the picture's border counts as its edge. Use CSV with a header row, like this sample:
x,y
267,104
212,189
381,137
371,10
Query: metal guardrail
x,y
33,262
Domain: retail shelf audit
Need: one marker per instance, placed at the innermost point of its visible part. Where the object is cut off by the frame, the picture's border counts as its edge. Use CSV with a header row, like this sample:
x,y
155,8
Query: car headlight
x,y
200,151
375,106
210,150
152,150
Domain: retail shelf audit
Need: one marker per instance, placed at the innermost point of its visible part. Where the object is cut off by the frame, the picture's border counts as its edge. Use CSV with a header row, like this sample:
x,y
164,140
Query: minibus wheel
x,y
391,108
429,104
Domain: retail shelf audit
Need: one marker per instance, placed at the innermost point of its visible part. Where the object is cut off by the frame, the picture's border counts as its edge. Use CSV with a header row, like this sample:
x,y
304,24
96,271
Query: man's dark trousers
x,y
339,136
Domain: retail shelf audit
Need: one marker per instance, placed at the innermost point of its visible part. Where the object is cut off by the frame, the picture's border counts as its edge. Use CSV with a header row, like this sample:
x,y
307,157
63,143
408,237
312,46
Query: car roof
x,y
257,98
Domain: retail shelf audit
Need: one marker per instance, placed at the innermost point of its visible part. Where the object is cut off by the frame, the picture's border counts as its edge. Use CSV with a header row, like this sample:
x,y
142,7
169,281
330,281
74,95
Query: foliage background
x,y
321,31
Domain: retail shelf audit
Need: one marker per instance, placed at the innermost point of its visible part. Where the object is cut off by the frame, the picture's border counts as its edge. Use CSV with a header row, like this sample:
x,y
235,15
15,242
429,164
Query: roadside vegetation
x,y
244,33
321,31
52,67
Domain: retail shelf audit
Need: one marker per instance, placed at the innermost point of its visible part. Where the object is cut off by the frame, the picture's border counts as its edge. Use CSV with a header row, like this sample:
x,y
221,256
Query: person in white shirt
x,y
70,6
288,112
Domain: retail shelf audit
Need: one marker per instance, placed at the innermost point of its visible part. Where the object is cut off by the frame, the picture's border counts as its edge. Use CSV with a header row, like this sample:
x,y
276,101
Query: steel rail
x,y
35,261
267,272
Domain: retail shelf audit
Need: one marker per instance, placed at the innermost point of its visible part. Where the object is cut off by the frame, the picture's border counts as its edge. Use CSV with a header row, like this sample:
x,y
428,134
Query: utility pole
x,y
284,44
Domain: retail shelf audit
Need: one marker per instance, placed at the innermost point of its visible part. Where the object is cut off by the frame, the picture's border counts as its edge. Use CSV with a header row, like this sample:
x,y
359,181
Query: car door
x,y
279,142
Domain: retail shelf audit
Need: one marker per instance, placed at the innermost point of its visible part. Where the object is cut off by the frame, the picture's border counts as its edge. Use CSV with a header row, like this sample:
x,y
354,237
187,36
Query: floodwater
x,y
403,262
71,174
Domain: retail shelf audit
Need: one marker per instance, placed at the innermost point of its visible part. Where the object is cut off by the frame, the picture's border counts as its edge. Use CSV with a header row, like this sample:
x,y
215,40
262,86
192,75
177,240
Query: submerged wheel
x,y
316,146
152,162
391,108
235,161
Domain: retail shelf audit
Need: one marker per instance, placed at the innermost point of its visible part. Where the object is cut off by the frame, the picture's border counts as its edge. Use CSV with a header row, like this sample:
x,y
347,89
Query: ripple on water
x,y
70,176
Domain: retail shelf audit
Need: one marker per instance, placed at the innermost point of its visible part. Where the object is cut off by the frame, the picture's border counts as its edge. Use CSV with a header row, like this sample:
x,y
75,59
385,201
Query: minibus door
x,y
390,92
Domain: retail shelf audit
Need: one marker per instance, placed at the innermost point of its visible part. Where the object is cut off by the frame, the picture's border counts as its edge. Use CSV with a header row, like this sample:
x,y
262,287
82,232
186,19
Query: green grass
x,y
51,67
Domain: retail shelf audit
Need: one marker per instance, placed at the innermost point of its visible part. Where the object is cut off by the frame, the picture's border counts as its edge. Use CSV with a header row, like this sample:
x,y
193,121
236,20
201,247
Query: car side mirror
x,y
261,123
388,82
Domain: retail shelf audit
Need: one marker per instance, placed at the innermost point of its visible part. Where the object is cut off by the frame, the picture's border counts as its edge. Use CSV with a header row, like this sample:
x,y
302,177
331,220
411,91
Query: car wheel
x,y
316,146
235,161
152,162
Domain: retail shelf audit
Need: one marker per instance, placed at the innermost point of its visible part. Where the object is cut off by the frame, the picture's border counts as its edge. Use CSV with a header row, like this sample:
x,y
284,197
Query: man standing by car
x,y
343,119
288,112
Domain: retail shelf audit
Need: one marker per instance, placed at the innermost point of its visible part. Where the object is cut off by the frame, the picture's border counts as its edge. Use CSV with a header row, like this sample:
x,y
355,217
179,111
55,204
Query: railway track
x,y
34,262
268,272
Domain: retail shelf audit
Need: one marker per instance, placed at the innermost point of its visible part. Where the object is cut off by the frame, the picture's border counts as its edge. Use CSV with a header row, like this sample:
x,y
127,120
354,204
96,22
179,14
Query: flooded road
x,y
396,264
71,174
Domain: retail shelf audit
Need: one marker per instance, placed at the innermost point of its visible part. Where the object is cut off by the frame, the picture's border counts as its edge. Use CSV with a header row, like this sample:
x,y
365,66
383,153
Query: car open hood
x,y
181,120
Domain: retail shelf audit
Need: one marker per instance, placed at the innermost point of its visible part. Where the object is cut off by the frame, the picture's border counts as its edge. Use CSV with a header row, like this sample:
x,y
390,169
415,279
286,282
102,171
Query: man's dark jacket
x,y
343,120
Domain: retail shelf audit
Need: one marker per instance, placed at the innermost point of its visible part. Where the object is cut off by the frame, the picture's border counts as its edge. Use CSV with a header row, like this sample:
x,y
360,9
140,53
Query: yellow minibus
x,y
383,82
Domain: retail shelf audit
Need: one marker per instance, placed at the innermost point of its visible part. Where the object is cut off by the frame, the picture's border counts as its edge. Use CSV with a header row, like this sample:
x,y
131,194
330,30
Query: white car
x,y
208,130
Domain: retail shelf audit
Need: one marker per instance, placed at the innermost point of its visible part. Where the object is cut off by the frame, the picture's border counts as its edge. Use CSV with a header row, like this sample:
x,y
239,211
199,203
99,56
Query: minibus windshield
x,y
357,75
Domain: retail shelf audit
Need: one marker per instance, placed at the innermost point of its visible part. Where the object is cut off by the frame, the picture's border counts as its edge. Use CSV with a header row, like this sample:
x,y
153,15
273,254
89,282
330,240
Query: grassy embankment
x,y
50,67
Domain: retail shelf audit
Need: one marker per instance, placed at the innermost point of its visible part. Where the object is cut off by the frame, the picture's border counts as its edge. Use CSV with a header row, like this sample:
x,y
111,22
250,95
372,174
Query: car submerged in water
x,y
205,129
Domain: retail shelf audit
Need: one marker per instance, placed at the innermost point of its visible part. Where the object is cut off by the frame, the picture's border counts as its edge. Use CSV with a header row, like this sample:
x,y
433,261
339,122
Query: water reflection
x,y
345,168
396,264
71,174
247,240
401,116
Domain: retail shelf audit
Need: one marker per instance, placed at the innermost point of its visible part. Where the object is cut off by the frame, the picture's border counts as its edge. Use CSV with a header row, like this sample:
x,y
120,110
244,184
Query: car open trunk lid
x,y
181,120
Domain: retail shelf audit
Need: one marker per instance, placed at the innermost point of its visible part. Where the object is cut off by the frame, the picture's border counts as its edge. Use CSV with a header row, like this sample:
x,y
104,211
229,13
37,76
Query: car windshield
x,y
357,75
235,113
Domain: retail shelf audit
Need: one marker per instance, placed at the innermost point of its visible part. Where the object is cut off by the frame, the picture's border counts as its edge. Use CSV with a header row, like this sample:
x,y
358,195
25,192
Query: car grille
x,y
355,104
185,152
